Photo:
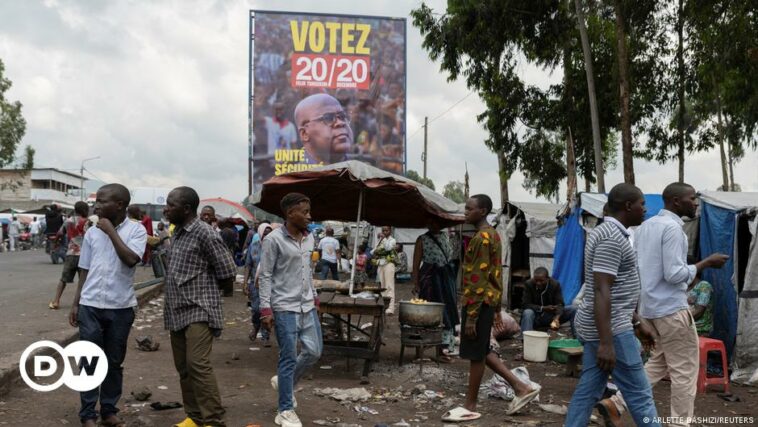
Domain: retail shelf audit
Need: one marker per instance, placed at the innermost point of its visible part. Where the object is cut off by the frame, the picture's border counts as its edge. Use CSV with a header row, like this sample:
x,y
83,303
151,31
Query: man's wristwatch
x,y
637,323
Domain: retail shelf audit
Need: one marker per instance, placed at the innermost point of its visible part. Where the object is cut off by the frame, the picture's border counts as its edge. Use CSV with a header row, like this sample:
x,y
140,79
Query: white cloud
x,y
158,91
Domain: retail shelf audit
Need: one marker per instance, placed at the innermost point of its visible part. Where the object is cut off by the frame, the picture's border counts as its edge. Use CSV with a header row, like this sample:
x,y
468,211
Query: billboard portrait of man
x,y
325,89
324,129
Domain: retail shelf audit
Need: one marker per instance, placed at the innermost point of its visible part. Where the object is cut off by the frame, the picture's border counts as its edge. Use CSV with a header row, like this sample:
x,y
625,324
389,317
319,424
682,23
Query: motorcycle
x,y
56,247
24,241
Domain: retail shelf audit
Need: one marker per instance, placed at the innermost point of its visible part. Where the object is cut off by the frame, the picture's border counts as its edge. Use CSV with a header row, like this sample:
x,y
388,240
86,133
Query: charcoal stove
x,y
421,338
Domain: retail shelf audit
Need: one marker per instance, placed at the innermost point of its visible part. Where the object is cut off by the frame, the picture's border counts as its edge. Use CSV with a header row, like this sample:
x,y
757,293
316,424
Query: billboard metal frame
x,y
251,80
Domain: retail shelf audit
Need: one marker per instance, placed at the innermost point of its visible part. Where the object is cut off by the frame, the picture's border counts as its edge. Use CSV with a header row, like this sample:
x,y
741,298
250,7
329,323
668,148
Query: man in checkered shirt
x,y
199,264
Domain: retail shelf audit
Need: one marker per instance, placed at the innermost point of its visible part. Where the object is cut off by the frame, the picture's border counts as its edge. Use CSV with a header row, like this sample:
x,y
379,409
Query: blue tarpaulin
x,y
569,255
717,229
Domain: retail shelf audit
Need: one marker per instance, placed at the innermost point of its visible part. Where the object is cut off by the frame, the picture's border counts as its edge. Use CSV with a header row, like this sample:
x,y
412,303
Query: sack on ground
x,y
497,387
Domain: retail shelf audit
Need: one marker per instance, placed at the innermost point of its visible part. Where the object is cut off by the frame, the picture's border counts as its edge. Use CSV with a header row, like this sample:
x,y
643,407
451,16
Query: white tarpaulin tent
x,y
746,348
541,226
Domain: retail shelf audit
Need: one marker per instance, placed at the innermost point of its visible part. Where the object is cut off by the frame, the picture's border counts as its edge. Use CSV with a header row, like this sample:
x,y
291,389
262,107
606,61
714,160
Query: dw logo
x,y
84,366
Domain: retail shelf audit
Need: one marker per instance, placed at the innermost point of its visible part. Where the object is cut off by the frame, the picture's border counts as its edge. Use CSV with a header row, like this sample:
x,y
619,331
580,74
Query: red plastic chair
x,y
706,345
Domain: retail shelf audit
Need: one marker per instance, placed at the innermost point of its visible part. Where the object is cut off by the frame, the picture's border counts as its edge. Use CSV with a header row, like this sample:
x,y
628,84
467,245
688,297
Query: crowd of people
x,y
639,295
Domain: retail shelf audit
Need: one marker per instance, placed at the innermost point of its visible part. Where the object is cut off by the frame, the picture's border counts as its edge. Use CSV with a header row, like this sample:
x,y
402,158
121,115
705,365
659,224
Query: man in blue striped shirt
x,y
606,321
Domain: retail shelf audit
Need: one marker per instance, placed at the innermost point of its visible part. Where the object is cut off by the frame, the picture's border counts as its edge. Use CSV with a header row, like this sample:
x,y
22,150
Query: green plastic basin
x,y
553,349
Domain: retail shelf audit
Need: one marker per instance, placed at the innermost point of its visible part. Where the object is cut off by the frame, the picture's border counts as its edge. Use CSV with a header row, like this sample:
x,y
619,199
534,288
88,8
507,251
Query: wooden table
x,y
348,314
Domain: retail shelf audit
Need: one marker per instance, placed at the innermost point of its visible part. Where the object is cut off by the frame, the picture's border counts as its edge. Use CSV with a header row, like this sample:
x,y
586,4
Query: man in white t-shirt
x,y
14,230
35,229
330,254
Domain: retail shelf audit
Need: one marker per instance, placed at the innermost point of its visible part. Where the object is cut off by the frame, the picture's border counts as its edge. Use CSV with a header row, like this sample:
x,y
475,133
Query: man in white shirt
x,y
661,246
104,304
330,254
385,254
14,230
34,230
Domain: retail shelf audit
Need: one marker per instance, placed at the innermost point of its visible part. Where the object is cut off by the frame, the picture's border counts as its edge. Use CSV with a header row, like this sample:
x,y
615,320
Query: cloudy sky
x,y
157,90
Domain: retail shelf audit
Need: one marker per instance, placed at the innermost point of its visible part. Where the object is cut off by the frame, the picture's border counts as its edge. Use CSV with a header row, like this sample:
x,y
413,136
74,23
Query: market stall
x,y
355,191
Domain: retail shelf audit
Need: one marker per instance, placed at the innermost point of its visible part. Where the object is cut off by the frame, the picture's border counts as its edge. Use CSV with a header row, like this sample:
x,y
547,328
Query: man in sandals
x,y
103,307
482,293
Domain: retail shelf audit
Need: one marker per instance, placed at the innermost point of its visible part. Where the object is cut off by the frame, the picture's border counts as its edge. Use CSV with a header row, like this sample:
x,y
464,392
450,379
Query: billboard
x,y
324,89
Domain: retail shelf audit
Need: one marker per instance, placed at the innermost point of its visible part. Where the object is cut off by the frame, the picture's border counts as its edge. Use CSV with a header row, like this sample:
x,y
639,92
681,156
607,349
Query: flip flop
x,y
519,402
52,306
460,414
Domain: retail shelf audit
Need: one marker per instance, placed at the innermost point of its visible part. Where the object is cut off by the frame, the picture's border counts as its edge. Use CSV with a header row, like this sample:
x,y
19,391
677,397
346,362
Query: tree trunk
x,y
597,144
724,176
680,60
570,168
626,120
587,187
732,187
503,182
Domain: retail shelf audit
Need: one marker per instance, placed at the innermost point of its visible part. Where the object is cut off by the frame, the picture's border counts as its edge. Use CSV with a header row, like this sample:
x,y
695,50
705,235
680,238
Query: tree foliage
x,y
411,174
488,41
28,160
12,123
455,191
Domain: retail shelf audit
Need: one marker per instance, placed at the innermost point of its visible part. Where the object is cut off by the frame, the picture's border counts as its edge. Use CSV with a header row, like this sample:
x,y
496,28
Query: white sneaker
x,y
288,419
275,386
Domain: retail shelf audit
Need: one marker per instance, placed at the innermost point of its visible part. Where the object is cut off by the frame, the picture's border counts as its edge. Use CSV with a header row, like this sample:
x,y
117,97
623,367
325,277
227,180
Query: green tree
x,y
28,160
455,191
411,174
12,123
725,63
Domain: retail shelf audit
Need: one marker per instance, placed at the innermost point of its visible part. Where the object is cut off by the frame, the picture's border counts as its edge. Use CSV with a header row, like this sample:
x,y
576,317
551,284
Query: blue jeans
x,y
628,374
255,307
326,267
530,318
109,329
292,327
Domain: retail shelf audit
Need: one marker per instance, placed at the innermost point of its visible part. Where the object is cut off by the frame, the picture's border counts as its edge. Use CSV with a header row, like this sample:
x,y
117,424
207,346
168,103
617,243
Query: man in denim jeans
x,y
289,301
103,307
607,322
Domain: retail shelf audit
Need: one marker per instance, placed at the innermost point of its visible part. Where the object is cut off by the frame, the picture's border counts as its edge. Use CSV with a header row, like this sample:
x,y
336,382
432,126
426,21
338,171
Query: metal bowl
x,y
427,314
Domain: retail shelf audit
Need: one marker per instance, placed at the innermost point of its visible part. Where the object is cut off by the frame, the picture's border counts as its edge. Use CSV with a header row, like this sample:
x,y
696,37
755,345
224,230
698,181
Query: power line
x,y
96,177
440,115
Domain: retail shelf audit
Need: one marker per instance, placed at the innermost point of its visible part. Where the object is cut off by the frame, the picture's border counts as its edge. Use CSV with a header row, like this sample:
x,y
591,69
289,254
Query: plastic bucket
x,y
535,346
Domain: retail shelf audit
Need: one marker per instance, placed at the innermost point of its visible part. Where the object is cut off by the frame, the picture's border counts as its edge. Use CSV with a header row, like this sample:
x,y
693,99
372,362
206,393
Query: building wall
x,y
15,185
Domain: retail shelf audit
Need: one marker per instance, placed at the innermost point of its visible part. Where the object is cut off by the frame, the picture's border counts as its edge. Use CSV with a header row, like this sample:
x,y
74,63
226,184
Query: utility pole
x,y
81,177
423,157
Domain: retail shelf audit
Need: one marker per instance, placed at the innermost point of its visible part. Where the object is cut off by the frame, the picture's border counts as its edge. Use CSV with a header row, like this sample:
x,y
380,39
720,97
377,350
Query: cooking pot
x,y
426,314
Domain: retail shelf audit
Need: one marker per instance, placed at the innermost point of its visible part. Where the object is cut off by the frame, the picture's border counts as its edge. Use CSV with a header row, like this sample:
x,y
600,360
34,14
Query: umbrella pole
x,y
355,242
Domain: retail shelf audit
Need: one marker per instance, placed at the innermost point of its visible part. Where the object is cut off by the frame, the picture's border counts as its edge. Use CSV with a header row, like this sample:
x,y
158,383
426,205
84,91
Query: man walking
x,y
199,264
330,254
14,230
74,229
35,229
480,311
289,301
606,321
662,250
103,307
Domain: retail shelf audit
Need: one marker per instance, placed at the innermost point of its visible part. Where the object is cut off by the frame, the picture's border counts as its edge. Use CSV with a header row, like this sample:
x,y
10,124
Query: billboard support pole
x,y
250,106
426,127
